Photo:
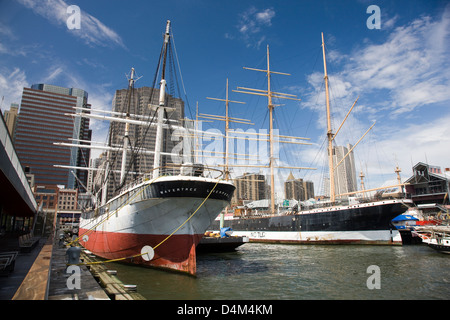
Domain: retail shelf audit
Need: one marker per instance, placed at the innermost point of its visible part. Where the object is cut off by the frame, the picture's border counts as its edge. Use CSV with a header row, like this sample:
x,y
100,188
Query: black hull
x,y
338,220
440,248
214,245
409,237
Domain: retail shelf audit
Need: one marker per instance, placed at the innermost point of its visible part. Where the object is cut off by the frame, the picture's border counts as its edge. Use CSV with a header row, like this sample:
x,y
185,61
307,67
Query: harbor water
x,y
270,271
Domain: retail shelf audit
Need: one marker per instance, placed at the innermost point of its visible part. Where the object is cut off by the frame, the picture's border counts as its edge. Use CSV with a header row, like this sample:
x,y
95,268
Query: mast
x,y
227,128
195,133
269,94
162,102
127,128
329,130
397,171
271,159
361,175
399,179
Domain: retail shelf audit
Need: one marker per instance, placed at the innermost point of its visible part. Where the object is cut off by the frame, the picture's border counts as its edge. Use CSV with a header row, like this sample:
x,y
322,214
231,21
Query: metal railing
x,y
194,170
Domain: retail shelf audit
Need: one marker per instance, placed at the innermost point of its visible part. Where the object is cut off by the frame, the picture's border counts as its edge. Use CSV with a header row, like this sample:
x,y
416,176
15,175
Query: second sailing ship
x,y
365,222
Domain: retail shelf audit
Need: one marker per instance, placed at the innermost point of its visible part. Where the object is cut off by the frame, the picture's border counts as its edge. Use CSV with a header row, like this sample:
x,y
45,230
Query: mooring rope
x,y
170,235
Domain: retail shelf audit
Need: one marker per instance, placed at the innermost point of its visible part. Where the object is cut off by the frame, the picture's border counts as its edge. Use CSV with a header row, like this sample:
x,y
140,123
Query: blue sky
x,y
400,72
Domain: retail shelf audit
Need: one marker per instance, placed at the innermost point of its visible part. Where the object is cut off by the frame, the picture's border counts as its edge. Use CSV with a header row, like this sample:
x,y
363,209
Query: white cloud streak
x,y
92,31
11,86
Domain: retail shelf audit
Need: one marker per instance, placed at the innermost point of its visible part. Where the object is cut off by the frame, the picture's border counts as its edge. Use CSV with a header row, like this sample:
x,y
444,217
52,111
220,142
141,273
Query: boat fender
x,y
147,253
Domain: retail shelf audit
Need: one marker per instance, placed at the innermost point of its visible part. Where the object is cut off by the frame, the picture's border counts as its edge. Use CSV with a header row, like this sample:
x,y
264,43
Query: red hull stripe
x,y
177,252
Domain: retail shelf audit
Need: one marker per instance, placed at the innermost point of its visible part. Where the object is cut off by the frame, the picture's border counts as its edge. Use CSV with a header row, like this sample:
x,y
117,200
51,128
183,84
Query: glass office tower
x,y
41,122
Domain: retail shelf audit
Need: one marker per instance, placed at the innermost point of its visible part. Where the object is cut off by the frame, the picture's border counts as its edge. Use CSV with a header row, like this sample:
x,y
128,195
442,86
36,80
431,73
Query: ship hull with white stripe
x,y
368,223
170,214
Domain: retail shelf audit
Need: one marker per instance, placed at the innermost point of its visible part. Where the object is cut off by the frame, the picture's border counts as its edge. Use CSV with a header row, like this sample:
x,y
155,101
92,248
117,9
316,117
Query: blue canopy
x,y
223,232
404,217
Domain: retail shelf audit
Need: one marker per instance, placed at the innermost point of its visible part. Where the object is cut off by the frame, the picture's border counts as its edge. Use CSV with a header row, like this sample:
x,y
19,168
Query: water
x,y
268,271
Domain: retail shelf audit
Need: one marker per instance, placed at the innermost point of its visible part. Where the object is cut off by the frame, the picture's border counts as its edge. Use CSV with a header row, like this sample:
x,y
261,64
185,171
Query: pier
x,y
41,274
112,286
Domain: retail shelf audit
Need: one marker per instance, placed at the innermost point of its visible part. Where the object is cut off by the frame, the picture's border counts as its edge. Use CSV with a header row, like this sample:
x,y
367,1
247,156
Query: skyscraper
x,y
41,122
345,173
142,138
10,117
250,186
298,189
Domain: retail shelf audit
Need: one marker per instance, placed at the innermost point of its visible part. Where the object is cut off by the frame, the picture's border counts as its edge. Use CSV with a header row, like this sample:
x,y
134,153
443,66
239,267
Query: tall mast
x,y
269,94
195,134
361,175
399,179
271,159
162,102
397,171
227,128
329,130
127,128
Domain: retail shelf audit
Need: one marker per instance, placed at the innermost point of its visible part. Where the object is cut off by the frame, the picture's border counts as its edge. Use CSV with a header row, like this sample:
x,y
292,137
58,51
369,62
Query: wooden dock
x,y
58,289
109,281
34,286
48,279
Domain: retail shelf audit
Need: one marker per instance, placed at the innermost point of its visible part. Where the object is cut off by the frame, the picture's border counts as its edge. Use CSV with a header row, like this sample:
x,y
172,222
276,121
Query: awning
x,y
404,217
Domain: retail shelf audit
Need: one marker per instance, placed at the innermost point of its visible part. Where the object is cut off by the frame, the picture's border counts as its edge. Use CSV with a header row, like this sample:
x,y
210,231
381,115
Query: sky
x,y
399,71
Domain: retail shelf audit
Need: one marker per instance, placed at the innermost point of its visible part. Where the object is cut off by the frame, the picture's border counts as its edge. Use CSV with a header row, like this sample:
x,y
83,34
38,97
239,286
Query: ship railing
x,y
194,170
191,169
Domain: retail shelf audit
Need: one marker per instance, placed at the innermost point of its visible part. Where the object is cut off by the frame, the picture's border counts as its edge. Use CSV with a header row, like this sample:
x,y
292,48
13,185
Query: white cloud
x,y
13,50
99,98
265,17
406,146
6,31
92,30
394,79
251,24
400,75
389,23
53,75
11,86
408,65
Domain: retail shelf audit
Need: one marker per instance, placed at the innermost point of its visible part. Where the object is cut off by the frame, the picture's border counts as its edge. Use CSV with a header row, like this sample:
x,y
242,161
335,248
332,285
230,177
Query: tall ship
x,y
153,218
335,221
